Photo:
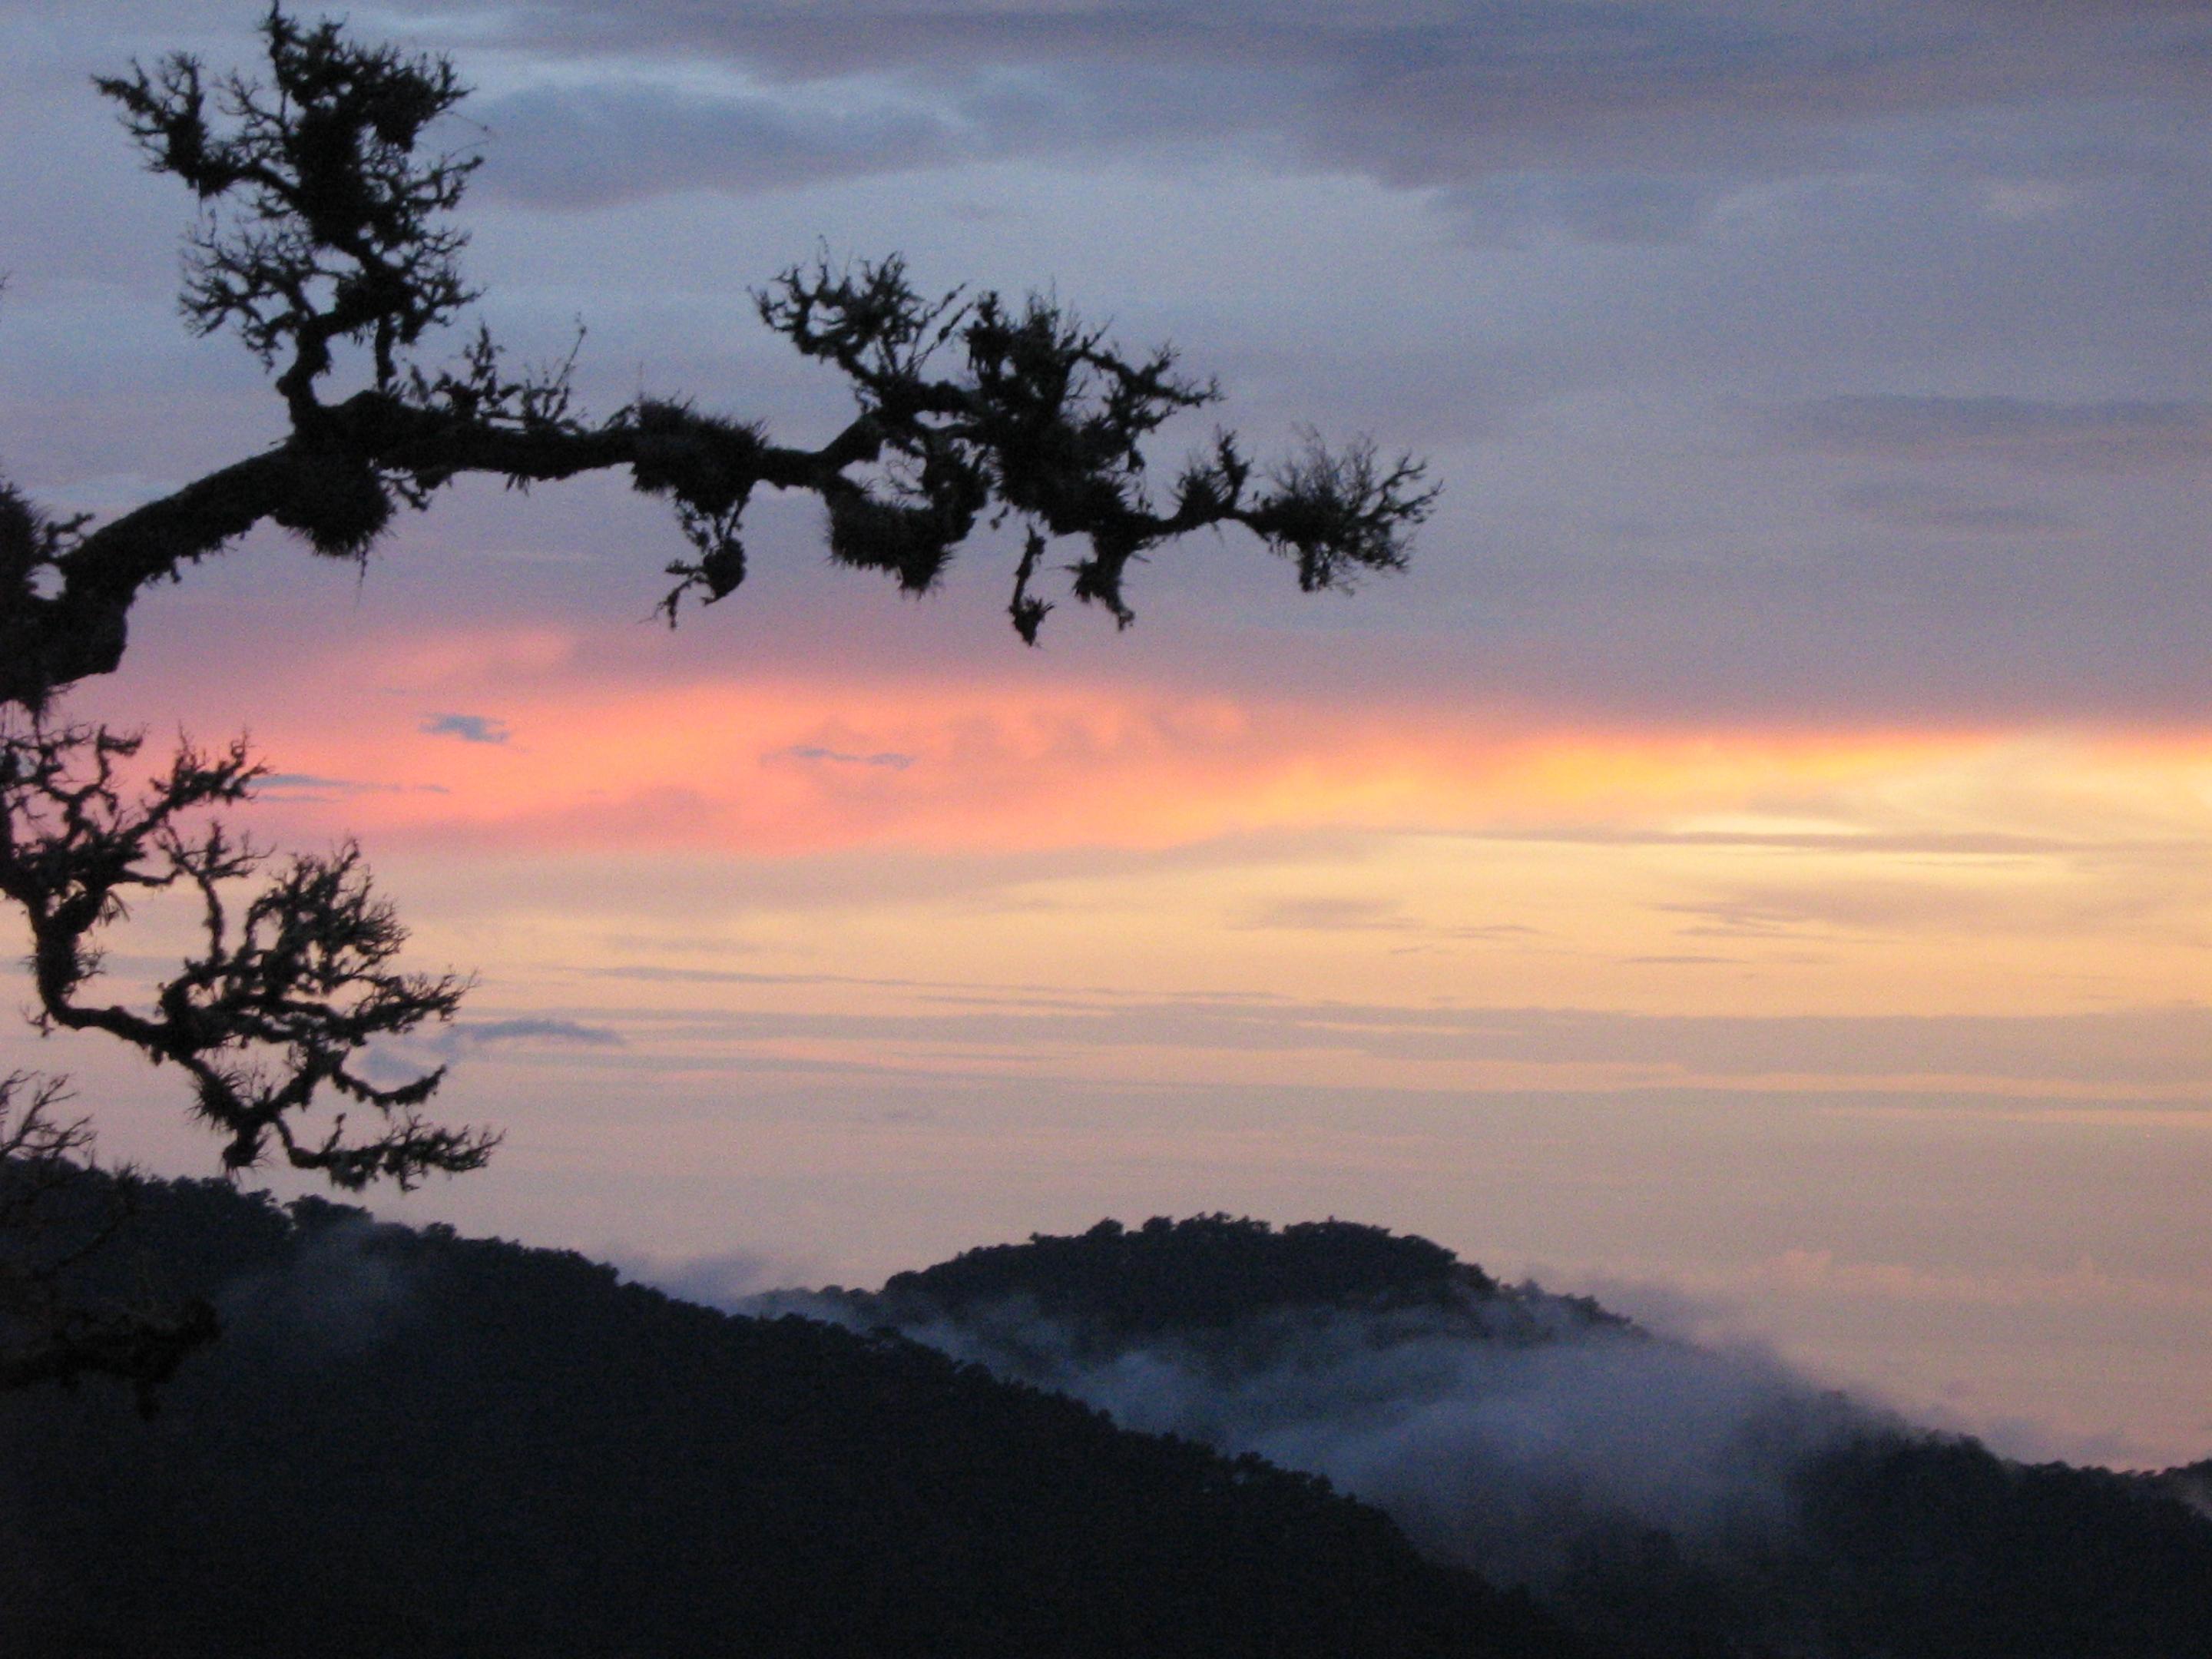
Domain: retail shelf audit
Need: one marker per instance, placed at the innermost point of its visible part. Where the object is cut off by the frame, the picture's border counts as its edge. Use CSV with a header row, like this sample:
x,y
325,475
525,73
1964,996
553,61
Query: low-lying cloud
x,y
1500,1439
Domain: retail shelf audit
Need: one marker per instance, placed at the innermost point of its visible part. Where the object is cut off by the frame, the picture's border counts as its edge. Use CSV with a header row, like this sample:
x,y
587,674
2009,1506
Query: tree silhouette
x,y
54,1212
326,242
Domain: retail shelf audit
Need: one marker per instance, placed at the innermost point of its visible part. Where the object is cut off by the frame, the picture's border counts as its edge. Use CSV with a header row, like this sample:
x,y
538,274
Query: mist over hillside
x,y
1667,1498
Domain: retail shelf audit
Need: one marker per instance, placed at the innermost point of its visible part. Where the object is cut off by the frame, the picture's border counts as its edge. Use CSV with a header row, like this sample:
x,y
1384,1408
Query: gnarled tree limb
x,y
325,225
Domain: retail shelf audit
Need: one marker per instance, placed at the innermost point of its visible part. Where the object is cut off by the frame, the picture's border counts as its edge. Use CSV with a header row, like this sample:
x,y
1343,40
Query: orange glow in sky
x,y
494,741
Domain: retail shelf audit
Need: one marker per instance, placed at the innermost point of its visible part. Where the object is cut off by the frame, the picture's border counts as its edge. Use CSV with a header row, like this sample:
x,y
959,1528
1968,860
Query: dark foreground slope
x,y
412,1444
1666,1500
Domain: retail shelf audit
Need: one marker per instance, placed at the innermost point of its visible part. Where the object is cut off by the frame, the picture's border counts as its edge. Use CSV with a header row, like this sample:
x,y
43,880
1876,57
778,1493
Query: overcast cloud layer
x,y
1656,107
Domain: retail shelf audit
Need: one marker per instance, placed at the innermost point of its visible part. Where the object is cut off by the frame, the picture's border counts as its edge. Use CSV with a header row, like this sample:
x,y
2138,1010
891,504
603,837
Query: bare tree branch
x,y
289,991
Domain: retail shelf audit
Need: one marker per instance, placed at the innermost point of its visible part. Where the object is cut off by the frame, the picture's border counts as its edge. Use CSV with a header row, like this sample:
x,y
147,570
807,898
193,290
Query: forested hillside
x,y
408,1442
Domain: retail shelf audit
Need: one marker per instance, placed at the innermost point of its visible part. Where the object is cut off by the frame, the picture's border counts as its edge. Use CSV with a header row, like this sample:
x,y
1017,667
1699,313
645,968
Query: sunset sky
x,y
1756,864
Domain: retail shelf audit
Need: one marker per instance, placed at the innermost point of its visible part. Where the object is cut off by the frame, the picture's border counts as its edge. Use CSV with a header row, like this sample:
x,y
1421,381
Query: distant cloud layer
x,y
2165,1051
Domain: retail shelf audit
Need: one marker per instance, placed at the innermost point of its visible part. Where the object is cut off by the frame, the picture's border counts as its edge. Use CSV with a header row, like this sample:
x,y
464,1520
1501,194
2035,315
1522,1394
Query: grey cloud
x,y
308,785
405,1062
468,728
657,974
1616,122
1877,906
1939,843
2151,1048
1359,915
1328,915
889,760
1905,505
2108,437
479,1034
726,1280
595,145
1644,53
994,995
1600,206
1740,917
665,944
575,146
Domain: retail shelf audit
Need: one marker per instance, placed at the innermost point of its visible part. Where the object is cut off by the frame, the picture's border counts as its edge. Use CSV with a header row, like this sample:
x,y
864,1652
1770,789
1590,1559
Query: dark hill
x,y
1238,1288
412,1444
1204,1271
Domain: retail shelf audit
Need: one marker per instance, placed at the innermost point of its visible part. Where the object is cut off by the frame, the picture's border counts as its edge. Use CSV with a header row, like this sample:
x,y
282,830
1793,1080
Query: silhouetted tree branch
x,y
288,987
325,224
52,1216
